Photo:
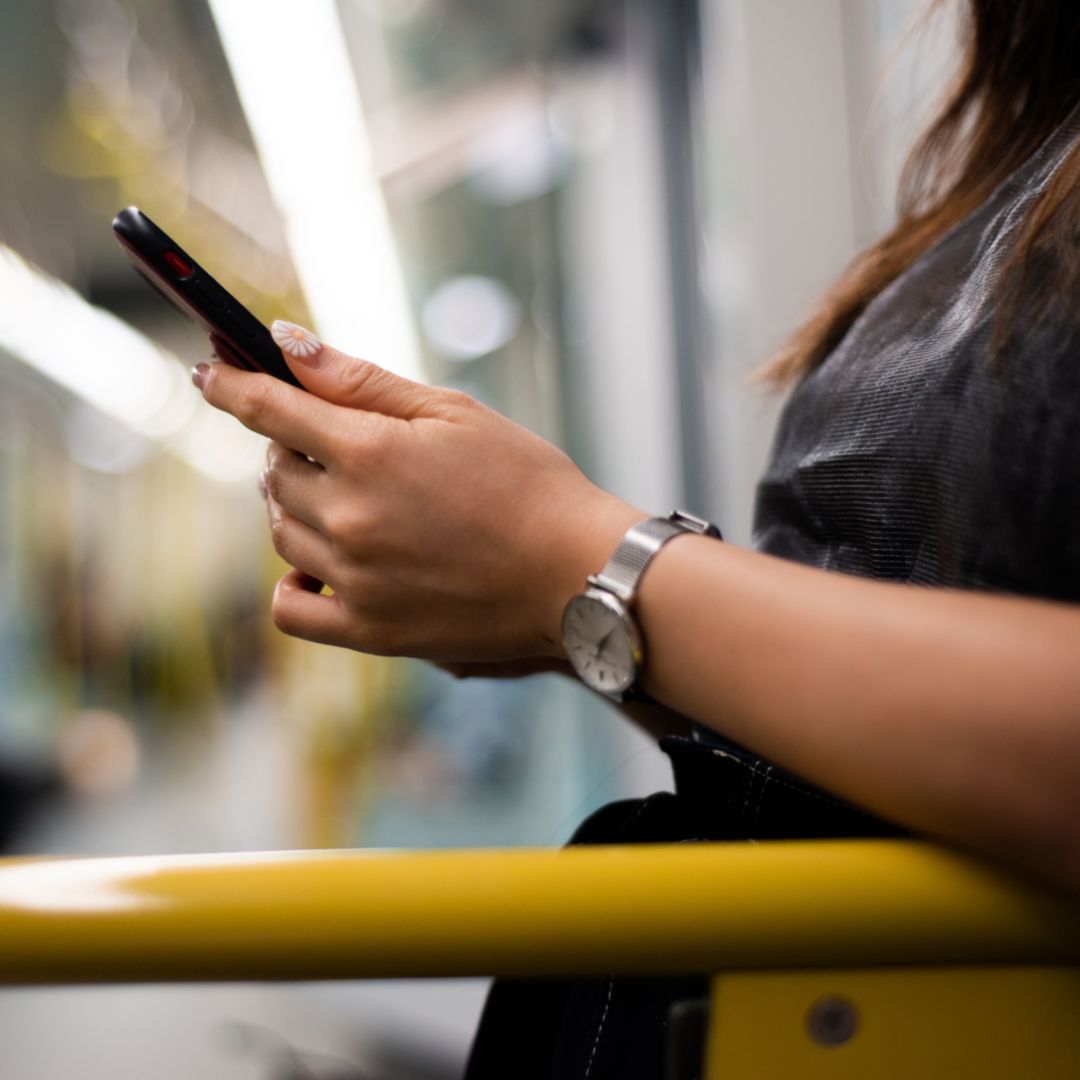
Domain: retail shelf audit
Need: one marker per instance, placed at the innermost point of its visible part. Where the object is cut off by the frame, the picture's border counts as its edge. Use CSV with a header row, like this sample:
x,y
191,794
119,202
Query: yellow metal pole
x,y
593,909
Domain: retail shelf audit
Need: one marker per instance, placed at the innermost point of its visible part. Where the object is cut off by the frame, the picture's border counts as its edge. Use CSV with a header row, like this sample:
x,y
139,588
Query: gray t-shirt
x,y
910,455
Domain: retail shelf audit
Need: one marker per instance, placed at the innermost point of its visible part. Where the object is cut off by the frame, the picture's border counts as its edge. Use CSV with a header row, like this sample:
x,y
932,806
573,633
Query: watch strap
x,y
639,546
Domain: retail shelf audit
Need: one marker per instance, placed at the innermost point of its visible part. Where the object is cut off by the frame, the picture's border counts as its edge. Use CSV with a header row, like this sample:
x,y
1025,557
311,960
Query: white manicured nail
x,y
299,343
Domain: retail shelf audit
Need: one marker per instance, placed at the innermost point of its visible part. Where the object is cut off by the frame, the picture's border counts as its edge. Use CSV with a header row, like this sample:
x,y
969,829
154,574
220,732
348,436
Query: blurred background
x,y
598,216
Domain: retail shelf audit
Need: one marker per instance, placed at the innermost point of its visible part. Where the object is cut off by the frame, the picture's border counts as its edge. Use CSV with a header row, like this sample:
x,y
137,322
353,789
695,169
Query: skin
x,y
449,533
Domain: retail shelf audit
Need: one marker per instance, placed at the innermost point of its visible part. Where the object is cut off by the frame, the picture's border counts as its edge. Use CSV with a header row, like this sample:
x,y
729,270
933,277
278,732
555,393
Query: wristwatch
x,y
601,638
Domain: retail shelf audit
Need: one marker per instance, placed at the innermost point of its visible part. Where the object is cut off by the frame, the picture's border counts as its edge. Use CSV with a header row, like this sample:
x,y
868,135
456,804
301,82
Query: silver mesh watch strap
x,y
637,548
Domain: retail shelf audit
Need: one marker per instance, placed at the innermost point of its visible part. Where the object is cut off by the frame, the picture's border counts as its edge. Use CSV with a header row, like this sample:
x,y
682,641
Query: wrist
x,y
587,537
601,629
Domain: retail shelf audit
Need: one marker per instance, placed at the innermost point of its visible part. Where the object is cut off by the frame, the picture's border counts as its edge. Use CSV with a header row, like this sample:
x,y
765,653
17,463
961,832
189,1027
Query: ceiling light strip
x,y
291,68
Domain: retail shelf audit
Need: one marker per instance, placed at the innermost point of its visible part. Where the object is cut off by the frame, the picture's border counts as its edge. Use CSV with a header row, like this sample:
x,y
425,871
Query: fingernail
x,y
199,373
299,343
262,484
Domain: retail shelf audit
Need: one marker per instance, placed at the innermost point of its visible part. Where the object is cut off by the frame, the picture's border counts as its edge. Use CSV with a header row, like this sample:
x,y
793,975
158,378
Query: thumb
x,y
344,380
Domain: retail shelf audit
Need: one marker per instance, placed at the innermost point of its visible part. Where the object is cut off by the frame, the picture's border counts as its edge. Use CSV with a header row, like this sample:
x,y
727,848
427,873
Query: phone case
x,y
238,337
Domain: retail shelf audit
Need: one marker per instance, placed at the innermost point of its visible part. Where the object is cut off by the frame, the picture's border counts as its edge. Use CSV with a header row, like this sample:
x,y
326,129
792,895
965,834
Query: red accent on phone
x,y
241,340
177,265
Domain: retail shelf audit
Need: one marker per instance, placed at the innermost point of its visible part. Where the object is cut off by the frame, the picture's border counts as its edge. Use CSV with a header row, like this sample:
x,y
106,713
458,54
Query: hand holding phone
x,y
238,337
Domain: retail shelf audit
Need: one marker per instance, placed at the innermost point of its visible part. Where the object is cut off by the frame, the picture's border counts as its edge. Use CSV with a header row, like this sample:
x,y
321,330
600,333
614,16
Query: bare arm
x,y
954,713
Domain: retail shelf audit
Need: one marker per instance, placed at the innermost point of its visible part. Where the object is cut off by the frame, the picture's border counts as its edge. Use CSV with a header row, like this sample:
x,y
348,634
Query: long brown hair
x,y
1018,79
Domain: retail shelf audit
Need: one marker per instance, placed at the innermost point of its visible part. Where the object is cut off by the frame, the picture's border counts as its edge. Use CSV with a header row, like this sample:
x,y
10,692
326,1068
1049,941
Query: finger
x,y
300,545
297,484
345,380
300,610
273,408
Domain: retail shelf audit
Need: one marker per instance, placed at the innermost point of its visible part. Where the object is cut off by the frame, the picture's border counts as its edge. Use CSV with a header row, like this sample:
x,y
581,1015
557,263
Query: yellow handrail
x,y
699,907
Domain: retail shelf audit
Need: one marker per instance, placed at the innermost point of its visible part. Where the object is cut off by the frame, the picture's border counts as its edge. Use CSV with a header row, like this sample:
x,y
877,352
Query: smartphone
x,y
239,338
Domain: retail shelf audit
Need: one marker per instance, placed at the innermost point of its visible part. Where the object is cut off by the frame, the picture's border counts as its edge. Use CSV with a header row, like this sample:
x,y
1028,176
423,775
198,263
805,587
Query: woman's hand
x,y
444,530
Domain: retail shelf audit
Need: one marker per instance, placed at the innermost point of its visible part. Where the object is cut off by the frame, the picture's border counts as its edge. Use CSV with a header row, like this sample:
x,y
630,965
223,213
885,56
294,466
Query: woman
x,y
931,440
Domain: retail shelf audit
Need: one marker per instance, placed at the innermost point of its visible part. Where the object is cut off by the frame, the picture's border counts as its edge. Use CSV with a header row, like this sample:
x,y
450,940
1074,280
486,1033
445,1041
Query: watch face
x,y
601,642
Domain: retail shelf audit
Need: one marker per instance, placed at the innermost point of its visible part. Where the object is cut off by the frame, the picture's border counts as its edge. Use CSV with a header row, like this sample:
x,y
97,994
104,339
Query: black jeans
x,y
616,1028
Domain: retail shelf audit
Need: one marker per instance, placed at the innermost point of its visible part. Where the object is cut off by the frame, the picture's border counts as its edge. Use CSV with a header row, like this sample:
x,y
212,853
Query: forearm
x,y
953,713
